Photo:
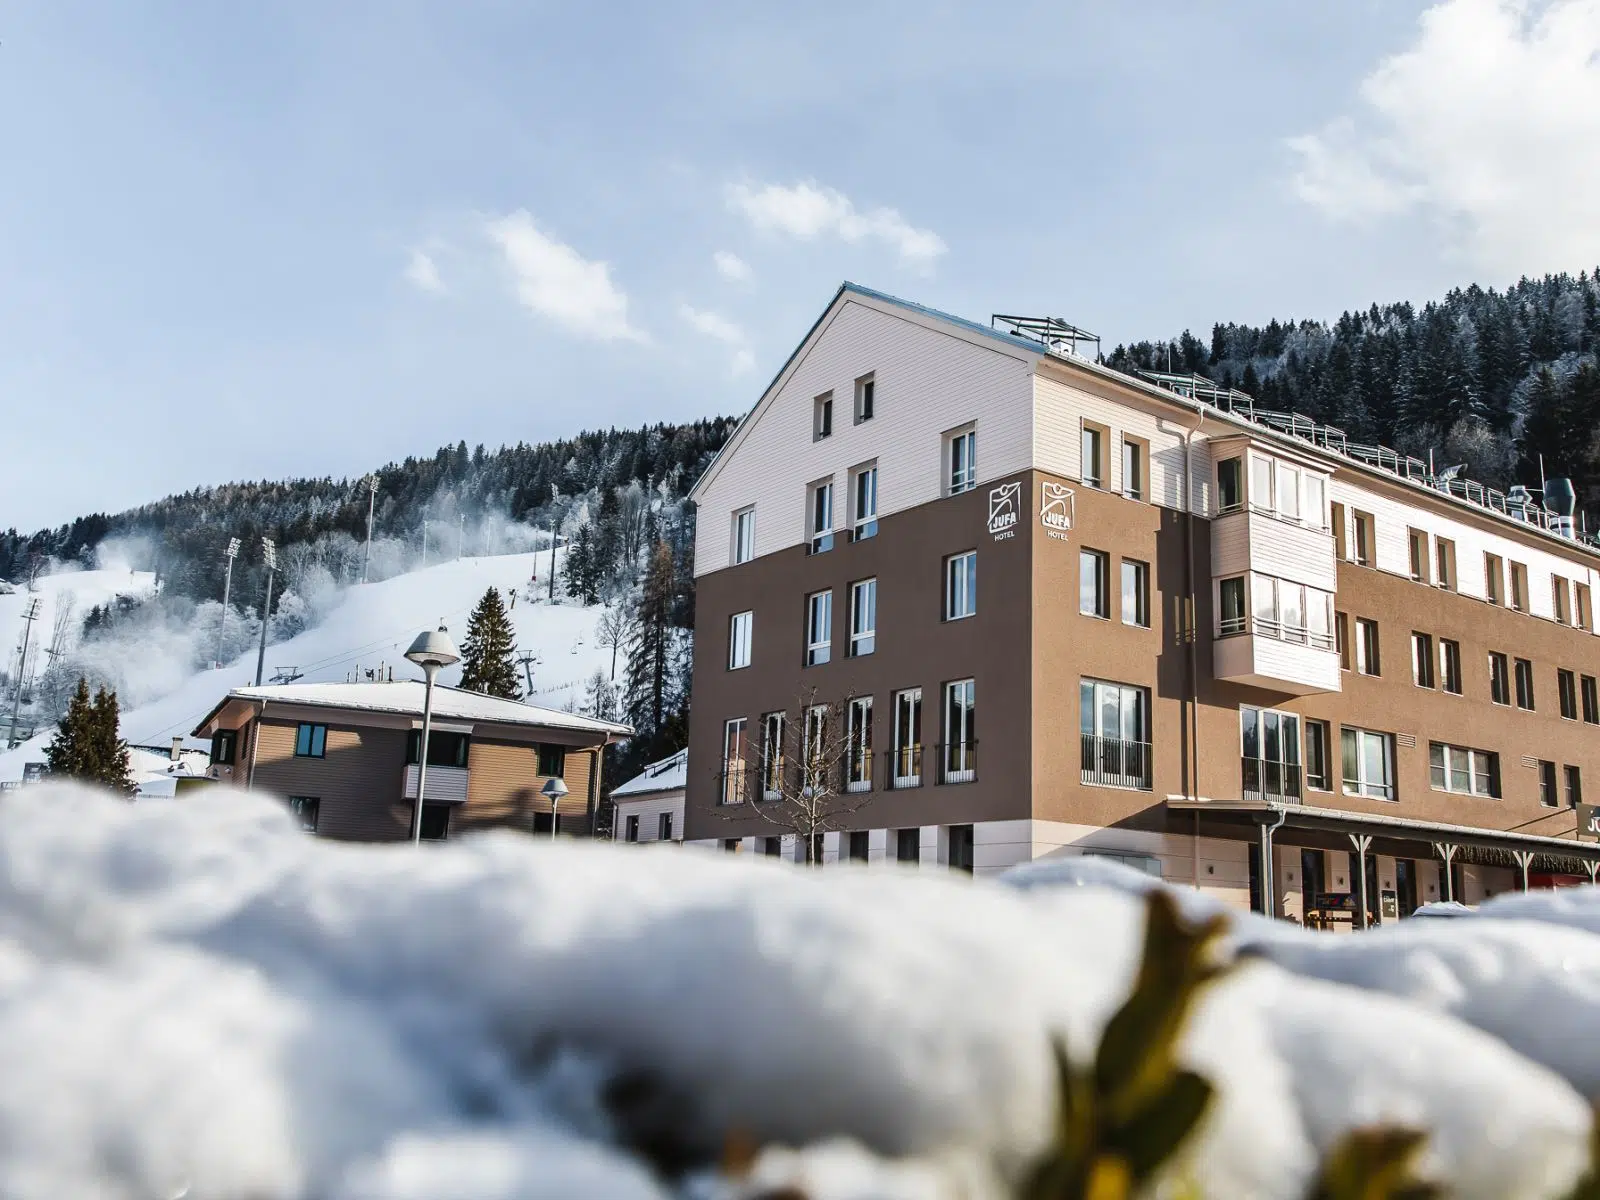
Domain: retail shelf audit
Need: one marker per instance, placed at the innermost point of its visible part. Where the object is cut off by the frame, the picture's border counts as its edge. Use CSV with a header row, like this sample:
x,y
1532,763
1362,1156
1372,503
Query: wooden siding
x,y
503,783
357,781
649,809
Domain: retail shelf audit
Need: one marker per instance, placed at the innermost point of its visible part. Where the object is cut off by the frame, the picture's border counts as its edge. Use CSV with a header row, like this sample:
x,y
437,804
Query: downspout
x,y
255,745
1268,901
1193,631
594,784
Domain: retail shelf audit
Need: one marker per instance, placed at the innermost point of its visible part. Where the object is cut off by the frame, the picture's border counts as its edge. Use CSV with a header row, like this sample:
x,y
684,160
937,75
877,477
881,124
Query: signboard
x,y
1005,510
1056,509
1335,901
1391,905
1589,822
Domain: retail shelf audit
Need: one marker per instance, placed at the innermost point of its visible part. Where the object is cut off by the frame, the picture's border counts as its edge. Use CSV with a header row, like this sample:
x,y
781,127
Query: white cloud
x,y
1488,123
720,329
555,281
423,273
731,266
808,210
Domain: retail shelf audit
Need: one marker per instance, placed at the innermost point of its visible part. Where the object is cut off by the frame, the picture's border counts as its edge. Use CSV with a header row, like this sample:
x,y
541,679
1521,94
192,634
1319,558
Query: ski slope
x,y
81,589
370,629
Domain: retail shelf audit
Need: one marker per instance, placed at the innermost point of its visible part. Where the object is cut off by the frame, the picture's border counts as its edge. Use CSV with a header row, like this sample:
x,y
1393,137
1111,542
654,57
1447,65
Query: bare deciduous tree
x,y
804,771
615,629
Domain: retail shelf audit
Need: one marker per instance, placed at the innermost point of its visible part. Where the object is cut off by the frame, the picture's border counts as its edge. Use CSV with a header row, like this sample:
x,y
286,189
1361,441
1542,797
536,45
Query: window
x,y
814,751
961,452
906,770
444,749
1368,763
1341,537
1585,610
630,829
1368,660
822,417
1133,456
864,502
1230,485
744,535
1318,776
739,627
664,827
1567,693
858,845
772,729
1548,795
821,517
1114,734
1591,700
960,846
730,845
960,585
1574,786
1288,492
1422,659
908,845
1341,641
306,810
858,745
224,747
1450,666
733,760
772,847
1560,600
1493,579
1231,606
1362,524
1269,744
863,617
1261,484
960,737
1499,678
436,821
552,761
1135,593
1316,507
1524,676
1468,772
1094,584
1519,587
819,627
866,397
1418,543
310,741
1093,472
1444,555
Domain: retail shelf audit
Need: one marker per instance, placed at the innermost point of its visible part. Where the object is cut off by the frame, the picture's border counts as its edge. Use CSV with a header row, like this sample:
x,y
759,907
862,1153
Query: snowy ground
x,y
196,1000
368,630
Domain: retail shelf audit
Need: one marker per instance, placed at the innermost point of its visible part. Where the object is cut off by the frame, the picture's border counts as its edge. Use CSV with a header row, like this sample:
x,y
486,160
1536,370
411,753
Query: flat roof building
x,y
345,757
649,807
1226,644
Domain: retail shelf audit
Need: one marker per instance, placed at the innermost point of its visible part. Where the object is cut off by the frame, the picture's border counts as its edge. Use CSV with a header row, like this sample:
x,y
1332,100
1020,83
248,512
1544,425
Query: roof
x,y
666,775
405,697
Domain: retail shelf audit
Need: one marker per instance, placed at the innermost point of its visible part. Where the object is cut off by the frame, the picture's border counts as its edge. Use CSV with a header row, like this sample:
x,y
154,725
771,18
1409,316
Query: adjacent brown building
x,y
345,755
1064,610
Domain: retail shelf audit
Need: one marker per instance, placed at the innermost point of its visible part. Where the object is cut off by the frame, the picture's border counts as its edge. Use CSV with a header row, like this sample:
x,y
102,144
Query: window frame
x,y
664,826
1095,456
1478,764
962,751
1101,577
1362,786
819,650
1549,785
961,584
630,828
863,618
438,740
1418,550
1567,693
1230,475
228,738
1288,760
1572,780
820,523
315,737
1319,733
552,760
1233,624
822,416
858,744
1423,670
1519,587
1522,679
774,727
1365,527
741,629
1368,648
964,478
744,534
863,525
1451,682
866,397
1494,579
907,706
1590,694
306,811
735,734
1561,599
1135,463
1444,564
1141,598
1499,678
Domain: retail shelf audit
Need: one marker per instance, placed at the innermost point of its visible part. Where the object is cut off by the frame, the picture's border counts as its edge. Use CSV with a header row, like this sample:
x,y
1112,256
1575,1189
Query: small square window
x,y
552,761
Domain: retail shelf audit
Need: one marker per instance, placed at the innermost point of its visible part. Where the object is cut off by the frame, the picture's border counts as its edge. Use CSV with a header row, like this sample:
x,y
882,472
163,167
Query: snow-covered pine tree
x,y
88,745
488,662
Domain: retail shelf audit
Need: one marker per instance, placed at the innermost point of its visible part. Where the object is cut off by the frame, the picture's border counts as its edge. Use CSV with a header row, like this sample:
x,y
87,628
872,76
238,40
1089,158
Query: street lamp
x,y
432,649
269,555
555,788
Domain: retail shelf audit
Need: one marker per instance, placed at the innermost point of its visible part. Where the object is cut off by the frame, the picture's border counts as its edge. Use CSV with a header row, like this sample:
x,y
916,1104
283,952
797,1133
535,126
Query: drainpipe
x,y
1192,664
1268,903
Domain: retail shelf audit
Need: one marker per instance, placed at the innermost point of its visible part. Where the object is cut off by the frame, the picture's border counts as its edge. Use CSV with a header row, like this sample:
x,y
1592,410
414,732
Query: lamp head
x,y
433,648
554,787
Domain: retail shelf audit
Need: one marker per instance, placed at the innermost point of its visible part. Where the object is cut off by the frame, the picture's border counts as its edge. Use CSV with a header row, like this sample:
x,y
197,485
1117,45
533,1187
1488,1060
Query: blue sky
x,y
301,239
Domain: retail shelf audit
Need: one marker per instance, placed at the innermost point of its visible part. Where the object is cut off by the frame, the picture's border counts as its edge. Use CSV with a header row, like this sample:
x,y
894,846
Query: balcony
x,y
1115,762
905,767
1253,539
1268,654
448,784
1262,779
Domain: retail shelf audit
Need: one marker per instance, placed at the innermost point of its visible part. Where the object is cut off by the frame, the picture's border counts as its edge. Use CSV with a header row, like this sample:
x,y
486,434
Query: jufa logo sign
x,y
1055,507
1005,503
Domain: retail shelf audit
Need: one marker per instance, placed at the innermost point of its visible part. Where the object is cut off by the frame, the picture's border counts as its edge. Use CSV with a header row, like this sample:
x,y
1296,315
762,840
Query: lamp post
x,y
432,649
555,788
227,592
270,554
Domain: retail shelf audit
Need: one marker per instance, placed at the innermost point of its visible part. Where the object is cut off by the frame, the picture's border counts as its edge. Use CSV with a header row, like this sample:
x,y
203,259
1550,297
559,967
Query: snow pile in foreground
x,y
196,999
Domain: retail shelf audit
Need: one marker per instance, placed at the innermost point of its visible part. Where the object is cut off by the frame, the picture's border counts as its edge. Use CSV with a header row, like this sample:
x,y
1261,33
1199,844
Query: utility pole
x,y
227,592
461,533
28,618
270,553
526,659
424,542
552,558
372,499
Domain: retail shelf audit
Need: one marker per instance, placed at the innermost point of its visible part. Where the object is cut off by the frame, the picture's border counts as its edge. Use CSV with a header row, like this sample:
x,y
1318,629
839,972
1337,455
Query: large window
x,y
1269,744
863,617
961,454
1567,691
1092,449
858,745
819,628
1583,606
744,535
1234,618
310,741
1459,769
306,811
740,626
1450,666
1094,583
1422,659
1368,659
1135,593
1499,678
1114,734
864,502
822,516
1230,485
1319,775
1368,763
444,749
960,757
1261,498
734,756
1287,491
960,585
772,731
906,770
1290,612
1316,507
1524,676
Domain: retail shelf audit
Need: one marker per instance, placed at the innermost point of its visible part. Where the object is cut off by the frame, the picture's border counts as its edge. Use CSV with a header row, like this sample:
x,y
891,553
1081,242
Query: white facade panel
x,y
1290,667
649,811
1251,541
927,378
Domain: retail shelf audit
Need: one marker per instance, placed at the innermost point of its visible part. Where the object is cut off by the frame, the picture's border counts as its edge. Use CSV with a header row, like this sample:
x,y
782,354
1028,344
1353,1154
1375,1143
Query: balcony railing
x,y
1115,762
1269,627
905,767
858,771
1264,779
958,761
734,784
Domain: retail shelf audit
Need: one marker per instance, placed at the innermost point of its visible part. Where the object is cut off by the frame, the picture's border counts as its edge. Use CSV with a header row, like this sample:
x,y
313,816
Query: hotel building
x,y
1069,610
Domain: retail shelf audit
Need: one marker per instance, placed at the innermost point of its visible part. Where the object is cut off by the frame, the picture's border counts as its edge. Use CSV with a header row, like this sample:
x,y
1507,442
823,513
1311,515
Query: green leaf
x,y
1154,1135
1374,1164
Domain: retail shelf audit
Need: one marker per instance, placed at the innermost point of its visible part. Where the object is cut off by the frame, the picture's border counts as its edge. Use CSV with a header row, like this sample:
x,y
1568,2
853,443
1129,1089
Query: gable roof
x,y
665,775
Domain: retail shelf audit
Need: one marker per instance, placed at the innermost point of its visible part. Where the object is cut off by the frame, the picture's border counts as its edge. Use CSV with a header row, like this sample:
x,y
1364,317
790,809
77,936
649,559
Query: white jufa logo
x,y
1004,501
1055,506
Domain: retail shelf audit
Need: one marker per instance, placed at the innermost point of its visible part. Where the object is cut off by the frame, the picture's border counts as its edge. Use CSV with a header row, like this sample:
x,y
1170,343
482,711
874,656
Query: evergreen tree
x,y
488,662
650,664
88,745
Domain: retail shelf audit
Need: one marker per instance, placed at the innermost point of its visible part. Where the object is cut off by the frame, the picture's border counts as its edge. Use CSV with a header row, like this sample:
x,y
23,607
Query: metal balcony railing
x,y
1269,627
905,766
858,770
734,784
958,761
1115,762
1264,779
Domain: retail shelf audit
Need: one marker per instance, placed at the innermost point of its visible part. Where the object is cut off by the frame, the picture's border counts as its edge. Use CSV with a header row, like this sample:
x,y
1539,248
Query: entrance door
x,y
1405,885
1313,879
